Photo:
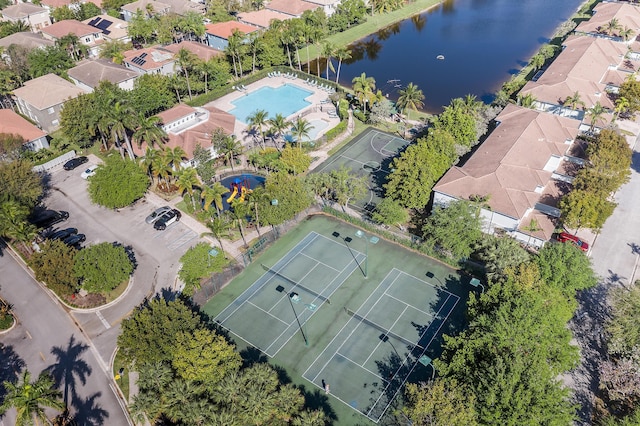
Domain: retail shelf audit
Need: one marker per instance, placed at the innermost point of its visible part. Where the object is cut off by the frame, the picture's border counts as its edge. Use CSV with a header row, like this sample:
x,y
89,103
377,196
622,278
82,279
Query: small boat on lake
x,y
440,57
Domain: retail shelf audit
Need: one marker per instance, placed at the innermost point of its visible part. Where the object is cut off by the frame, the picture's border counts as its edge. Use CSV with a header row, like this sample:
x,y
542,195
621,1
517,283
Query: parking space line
x,y
182,240
103,320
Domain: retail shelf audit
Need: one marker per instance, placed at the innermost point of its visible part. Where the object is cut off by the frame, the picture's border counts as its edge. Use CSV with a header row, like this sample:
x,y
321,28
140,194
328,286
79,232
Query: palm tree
x,y
256,196
162,169
148,131
278,125
595,114
310,418
234,49
301,129
205,68
532,227
30,399
185,61
342,54
239,211
174,156
228,148
255,44
612,26
410,98
527,101
213,195
257,120
149,161
626,33
574,101
219,227
328,50
622,104
364,88
187,180
121,122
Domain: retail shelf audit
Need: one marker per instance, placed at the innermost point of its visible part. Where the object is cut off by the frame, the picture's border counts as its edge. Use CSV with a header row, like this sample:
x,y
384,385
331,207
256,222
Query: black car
x,y
74,239
48,218
75,162
167,219
63,233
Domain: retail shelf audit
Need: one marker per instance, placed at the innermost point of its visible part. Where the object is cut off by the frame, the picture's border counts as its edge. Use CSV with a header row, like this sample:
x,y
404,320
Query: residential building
x,y
593,67
89,73
151,60
262,18
188,127
89,36
203,52
163,7
51,5
42,98
218,34
626,15
25,40
110,27
12,123
522,169
329,6
294,8
34,16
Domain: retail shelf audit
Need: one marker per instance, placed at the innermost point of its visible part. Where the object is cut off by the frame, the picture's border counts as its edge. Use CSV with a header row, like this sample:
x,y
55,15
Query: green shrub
x,y
102,267
336,131
118,183
197,264
360,116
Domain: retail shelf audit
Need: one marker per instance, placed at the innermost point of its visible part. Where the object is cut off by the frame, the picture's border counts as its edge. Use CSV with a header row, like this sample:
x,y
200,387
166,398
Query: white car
x,y
90,171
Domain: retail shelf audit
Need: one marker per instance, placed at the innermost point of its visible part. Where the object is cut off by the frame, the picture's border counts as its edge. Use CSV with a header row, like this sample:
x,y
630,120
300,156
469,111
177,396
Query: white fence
x,y
55,162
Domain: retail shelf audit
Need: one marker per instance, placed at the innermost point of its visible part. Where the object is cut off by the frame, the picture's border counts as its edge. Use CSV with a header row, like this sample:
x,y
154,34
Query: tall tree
x,y
187,181
301,129
31,398
148,131
219,229
342,54
213,195
186,61
258,120
410,98
364,88
454,228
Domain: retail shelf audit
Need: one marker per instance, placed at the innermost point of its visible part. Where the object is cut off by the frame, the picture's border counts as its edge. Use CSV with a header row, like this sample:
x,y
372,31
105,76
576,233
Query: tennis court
x,y
278,305
335,305
382,343
370,155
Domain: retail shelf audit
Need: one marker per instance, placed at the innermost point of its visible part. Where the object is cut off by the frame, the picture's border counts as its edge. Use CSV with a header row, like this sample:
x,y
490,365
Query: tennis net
x,y
296,285
382,330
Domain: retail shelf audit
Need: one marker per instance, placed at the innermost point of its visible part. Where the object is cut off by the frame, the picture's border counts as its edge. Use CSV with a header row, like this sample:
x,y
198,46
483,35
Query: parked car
x,y
157,213
167,219
63,233
47,218
90,171
565,237
74,239
75,162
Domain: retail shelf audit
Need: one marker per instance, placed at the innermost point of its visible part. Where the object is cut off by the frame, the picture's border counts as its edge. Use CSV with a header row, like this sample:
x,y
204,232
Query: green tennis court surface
x,y
306,304
369,154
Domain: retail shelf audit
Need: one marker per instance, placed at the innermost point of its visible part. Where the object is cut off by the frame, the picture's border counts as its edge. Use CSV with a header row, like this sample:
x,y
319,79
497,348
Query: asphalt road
x,y
46,337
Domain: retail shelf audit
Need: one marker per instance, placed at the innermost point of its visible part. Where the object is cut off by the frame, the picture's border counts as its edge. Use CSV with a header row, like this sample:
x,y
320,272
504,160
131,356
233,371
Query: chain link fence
x,y
212,285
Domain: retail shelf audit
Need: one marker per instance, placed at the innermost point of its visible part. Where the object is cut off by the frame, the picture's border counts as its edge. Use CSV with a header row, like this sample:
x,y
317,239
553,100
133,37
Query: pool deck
x,y
315,111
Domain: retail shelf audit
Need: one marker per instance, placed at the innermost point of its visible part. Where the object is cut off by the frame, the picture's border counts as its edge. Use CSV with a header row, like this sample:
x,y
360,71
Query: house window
x,y
55,122
51,110
87,39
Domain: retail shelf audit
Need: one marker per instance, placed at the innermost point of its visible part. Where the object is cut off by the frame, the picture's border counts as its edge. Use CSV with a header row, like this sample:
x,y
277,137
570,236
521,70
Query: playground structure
x,y
239,185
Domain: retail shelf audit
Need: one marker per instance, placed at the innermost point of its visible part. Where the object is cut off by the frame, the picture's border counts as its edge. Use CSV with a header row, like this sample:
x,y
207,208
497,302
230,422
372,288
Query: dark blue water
x,y
484,42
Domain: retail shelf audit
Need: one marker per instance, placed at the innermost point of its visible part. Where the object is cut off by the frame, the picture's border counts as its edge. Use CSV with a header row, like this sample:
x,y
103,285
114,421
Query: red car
x,y
564,237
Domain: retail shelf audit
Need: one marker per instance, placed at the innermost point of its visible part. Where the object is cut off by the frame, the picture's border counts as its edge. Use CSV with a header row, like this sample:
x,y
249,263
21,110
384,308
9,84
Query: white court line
x,y
268,313
408,304
296,285
256,290
391,328
425,282
339,332
319,263
416,361
361,366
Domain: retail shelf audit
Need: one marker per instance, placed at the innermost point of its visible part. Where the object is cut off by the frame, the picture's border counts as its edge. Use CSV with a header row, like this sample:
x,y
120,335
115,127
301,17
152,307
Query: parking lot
x,y
157,253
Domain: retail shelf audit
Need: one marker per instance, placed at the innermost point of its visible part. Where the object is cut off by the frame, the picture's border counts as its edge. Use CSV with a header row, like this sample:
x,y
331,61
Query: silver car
x,y
157,214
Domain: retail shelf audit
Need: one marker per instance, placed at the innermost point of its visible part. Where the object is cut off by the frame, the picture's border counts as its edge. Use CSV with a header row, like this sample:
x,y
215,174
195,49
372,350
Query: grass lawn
x,y
123,381
374,23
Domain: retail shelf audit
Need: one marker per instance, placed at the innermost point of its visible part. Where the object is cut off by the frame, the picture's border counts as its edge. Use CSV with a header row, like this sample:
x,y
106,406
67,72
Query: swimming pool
x,y
285,100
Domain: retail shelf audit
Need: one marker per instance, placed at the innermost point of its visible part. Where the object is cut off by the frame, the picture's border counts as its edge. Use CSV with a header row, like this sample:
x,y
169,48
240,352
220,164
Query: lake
x,y
483,42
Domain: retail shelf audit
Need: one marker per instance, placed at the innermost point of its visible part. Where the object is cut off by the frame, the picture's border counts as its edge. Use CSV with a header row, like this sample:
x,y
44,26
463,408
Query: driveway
x,y
46,337
614,256
157,253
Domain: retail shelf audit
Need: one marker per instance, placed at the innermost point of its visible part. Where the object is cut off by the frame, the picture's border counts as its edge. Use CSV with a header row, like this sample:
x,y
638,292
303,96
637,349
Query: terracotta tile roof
x,y
198,134
47,91
291,7
546,224
202,51
626,14
175,113
225,29
12,123
69,26
21,10
513,161
155,57
27,40
262,18
581,67
179,7
52,4
112,28
92,72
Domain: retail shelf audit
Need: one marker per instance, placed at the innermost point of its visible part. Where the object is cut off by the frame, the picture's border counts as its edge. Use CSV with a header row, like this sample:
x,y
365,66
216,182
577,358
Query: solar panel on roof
x,y
104,24
94,21
106,32
144,55
142,62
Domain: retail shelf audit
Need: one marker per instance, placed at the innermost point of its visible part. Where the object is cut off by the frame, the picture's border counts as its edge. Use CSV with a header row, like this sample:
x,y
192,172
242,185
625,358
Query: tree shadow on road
x,y
89,413
10,367
68,367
